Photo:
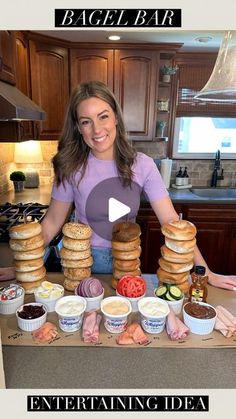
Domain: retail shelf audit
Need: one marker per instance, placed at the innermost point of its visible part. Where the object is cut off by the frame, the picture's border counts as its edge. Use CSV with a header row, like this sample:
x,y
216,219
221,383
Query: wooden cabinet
x,y
50,85
216,235
23,80
91,64
135,89
7,56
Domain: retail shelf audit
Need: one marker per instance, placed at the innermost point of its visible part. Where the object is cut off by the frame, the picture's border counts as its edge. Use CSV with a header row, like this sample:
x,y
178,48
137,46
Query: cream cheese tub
x,y
153,312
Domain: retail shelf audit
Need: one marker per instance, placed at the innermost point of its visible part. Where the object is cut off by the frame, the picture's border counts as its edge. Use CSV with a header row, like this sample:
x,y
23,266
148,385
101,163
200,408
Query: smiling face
x,y
97,124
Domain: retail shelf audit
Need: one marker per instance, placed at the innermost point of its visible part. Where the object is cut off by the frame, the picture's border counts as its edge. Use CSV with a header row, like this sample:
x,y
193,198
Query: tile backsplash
x,y
199,171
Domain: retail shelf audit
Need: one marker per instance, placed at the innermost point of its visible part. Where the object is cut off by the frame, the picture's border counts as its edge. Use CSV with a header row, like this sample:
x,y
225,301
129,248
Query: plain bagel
x,y
184,246
82,263
132,254
25,231
74,255
172,256
22,245
175,267
29,254
118,274
126,265
77,273
125,231
75,244
179,230
126,246
31,276
77,231
28,265
172,278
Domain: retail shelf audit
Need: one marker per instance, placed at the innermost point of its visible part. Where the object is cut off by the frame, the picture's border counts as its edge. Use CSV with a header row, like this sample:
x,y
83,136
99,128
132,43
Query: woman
x,y
93,148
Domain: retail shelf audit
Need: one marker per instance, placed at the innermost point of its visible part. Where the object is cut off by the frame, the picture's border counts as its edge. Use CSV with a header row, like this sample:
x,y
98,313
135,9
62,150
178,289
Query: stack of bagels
x,y
126,250
27,243
75,254
177,253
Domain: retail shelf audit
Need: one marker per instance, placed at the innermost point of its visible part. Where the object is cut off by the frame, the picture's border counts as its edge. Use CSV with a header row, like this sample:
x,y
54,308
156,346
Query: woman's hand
x,y
222,281
6,274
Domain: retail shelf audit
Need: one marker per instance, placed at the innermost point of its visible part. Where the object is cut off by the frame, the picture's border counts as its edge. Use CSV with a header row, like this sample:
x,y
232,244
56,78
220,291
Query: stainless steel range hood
x,y
15,106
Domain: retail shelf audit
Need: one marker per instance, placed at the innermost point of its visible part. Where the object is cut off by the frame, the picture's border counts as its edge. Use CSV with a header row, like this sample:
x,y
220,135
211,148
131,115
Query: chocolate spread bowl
x,y
199,317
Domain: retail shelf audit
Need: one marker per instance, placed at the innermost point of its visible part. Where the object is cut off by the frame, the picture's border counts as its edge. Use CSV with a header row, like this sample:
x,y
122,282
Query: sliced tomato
x,y
131,286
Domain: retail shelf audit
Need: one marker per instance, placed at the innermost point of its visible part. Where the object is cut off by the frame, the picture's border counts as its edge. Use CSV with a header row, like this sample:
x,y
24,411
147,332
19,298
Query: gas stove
x,y
13,214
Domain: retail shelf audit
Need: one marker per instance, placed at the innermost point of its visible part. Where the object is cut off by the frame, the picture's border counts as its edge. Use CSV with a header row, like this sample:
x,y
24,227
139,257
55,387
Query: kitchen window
x,y
200,137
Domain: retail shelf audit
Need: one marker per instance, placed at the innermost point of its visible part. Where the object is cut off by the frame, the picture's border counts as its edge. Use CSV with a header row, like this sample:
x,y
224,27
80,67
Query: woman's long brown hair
x,y
72,153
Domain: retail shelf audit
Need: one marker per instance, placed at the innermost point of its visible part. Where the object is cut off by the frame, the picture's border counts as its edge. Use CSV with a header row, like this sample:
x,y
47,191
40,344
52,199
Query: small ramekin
x,y
28,325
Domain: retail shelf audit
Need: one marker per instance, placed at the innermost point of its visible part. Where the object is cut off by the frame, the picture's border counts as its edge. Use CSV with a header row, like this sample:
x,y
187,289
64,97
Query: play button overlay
x,y
116,209
110,203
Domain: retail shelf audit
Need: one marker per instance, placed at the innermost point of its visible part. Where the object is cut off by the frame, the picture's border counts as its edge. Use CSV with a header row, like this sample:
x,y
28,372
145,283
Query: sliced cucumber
x,y
169,297
161,291
175,292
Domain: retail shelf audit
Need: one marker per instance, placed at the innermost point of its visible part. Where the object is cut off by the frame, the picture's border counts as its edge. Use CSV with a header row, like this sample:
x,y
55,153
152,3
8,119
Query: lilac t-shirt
x,y
146,175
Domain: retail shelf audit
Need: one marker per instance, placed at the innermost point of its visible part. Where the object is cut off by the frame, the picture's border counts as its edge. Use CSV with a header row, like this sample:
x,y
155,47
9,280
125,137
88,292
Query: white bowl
x,y
176,306
133,301
48,302
10,306
94,303
70,322
199,326
153,323
28,325
115,323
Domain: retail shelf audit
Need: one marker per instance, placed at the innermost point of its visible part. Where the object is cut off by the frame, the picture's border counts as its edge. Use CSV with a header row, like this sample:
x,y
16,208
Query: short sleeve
x,y
154,186
63,192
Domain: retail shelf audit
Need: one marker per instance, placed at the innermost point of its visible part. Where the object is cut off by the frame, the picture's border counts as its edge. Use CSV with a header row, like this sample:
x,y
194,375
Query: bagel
x,y
125,231
82,263
74,255
26,244
77,231
29,254
75,244
30,287
179,230
28,265
179,246
126,246
172,278
118,274
126,265
114,283
70,285
77,273
25,231
172,256
31,276
131,255
175,267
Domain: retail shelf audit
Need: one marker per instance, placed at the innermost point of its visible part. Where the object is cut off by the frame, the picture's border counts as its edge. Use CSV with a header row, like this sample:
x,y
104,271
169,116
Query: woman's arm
x,y
56,215
165,213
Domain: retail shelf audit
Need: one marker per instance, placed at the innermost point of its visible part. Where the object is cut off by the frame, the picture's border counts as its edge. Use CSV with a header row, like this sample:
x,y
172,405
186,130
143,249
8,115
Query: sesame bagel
x,y
73,254
77,231
179,230
77,273
25,231
126,265
70,285
82,263
125,231
26,244
75,244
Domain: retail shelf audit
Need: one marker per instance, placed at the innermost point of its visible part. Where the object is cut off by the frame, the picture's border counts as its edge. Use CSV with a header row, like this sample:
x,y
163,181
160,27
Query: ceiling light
x,y
221,86
114,38
204,39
